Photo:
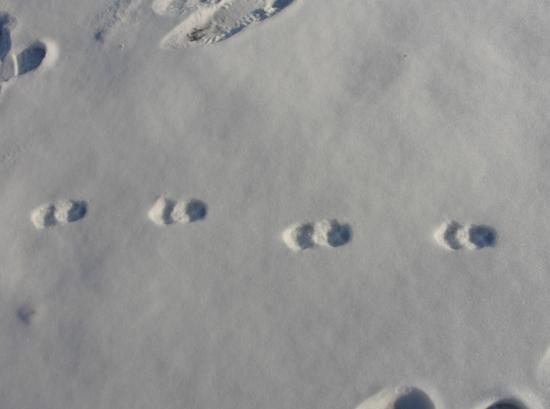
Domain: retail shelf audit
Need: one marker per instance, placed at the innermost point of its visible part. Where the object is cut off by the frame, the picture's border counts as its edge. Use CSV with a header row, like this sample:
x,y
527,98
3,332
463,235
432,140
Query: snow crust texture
x,y
389,115
166,211
119,14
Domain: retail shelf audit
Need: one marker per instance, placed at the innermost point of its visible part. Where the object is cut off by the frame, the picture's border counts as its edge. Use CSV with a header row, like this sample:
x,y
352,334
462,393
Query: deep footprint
x,y
481,236
14,65
30,58
210,21
399,398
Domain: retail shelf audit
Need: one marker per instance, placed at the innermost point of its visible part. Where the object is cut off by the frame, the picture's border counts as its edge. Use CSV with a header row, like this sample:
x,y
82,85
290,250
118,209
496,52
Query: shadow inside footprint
x,y
31,58
482,236
304,236
77,211
5,36
339,235
167,210
507,404
196,210
281,4
415,399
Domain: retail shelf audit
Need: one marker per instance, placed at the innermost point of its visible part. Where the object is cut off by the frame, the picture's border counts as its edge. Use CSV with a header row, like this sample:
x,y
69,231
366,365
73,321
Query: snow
x,y
391,117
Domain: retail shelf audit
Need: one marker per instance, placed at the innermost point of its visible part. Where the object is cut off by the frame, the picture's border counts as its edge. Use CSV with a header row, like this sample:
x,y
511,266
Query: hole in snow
x,y
31,58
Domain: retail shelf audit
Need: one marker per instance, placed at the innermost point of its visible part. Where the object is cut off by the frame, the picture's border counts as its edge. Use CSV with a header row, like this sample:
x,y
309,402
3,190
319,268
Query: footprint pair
x,y
166,211
15,64
326,233
62,212
454,236
414,398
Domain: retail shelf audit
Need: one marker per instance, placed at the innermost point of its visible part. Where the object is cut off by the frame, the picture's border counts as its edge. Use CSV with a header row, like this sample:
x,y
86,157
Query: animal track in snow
x,y
16,64
454,236
166,211
210,21
299,236
62,212
6,21
326,233
398,398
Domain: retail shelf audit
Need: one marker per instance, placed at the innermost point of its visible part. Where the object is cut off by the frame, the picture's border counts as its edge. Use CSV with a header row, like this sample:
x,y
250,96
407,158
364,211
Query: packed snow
x,y
274,204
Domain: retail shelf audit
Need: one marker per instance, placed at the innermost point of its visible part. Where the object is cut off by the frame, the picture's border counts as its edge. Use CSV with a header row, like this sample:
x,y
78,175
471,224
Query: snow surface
x,y
392,116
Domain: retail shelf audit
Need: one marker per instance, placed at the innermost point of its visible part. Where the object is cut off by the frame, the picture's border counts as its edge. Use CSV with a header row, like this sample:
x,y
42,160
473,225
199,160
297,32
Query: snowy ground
x,y
247,119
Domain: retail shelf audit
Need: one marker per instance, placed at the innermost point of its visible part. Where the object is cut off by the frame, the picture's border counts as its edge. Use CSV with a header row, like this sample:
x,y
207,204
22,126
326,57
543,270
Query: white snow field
x,y
274,204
